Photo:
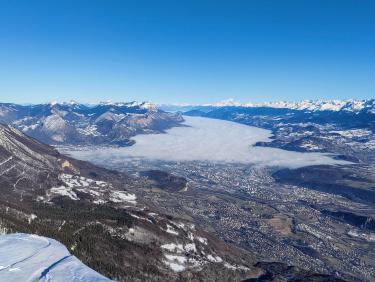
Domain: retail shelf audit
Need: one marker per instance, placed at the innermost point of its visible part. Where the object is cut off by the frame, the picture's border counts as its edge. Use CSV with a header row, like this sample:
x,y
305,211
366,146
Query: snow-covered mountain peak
x,y
53,103
148,106
227,103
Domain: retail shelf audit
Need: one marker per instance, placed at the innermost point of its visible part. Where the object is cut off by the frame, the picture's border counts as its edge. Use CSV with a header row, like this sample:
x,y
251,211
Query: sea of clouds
x,y
204,139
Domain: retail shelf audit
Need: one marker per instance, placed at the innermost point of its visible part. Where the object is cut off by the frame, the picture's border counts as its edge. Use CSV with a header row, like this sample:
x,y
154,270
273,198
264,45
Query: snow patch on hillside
x,y
100,192
193,253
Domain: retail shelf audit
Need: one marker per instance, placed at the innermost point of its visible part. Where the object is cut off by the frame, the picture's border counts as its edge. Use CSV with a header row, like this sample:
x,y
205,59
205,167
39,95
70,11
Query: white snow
x,y
172,247
64,191
234,267
175,266
350,105
25,257
190,247
202,240
214,259
122,196
309,105
180,259
148,106
89,130
353,133
171,230
100,191
31,217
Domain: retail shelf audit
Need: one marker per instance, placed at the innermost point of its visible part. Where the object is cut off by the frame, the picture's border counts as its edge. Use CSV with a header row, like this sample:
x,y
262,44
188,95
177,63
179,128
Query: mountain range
x,y
152,225
354,106
80,124
97,214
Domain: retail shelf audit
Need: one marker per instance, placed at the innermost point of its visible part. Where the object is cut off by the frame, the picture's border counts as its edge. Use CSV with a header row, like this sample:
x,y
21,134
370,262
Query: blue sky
x,y
186,51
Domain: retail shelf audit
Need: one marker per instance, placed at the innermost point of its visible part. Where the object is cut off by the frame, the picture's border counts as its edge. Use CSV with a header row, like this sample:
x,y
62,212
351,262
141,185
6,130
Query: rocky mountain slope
x,y
79,124
97,215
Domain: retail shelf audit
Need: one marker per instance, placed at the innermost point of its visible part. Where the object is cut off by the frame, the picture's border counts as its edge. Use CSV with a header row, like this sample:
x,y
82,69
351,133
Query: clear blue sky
x,y
186,50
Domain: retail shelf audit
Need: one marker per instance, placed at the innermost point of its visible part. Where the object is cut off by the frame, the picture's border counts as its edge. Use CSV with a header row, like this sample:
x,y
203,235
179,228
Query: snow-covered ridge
x,y
25,257
321,105
350,105
144,104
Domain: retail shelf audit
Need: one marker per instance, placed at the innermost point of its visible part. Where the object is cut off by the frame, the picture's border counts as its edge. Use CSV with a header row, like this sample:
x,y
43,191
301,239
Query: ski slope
x,y
25,257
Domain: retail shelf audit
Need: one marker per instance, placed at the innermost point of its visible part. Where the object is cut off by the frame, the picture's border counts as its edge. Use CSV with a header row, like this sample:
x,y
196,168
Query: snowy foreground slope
x,y
25,257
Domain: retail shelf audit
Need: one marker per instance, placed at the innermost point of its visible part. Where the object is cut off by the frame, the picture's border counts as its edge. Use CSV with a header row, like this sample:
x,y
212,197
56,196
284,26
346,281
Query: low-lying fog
x,y
205,139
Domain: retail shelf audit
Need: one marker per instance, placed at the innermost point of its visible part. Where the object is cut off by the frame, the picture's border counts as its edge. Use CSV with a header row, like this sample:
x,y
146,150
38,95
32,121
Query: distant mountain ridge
x,y
351,105
73,123
345,127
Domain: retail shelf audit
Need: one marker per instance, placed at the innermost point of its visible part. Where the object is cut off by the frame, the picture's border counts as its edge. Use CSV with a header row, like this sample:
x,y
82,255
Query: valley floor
x,y
246,207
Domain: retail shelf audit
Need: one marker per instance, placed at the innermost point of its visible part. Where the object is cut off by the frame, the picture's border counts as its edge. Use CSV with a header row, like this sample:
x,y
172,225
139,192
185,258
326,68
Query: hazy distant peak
x,y
227,103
